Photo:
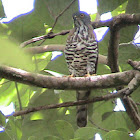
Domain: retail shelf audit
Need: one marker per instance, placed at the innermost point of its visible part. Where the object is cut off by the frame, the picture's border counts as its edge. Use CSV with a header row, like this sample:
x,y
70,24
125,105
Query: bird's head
x,y
81,18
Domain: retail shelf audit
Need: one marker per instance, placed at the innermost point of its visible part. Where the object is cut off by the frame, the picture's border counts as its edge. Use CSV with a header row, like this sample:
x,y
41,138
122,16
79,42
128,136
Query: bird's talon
x,y
87,75
72,75
94,75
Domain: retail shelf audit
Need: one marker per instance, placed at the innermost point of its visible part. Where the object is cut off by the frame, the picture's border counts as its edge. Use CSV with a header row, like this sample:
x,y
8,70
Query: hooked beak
x,y
76,18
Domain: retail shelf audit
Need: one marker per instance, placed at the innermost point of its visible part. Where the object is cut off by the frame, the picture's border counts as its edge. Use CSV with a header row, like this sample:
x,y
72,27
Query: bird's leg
x,y
71,75
88,74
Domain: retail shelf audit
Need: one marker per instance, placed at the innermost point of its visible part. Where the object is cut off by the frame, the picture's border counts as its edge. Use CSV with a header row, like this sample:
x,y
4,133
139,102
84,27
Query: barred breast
x,y
81,52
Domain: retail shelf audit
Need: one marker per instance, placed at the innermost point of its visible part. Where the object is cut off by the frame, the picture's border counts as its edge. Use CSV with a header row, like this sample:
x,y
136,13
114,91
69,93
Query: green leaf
x,y
51,138
5,136
137,134
15,126
10,54
85,133
41,60
68,95
1,10
120,9
58,65
37,116
133,6
117,135
2,119
102,116
7,91
109,5
38,129
93,17
8,94
64,129
77,139
32,138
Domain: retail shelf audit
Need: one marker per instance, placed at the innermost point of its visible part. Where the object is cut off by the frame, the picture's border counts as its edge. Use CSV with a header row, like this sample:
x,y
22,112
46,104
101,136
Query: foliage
x,y
1,10
58,124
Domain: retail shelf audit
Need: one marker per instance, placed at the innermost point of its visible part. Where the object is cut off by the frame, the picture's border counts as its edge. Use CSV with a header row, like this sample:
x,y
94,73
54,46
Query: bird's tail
x,y
82,109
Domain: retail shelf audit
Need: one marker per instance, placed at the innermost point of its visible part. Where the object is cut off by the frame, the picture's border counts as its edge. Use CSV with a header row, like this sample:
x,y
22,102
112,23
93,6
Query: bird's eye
x,y
82,15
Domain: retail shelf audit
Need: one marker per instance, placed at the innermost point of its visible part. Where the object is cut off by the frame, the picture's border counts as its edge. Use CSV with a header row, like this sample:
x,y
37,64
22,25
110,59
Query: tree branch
x,y
131,111
113,62
117,22
93,82
132,78
113,50
61,13
48,36
68,104
134,64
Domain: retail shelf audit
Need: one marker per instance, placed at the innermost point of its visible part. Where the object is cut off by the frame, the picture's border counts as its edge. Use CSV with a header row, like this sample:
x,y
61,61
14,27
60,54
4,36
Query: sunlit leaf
x,y
120,9
10,54
41,60
137,134
36,116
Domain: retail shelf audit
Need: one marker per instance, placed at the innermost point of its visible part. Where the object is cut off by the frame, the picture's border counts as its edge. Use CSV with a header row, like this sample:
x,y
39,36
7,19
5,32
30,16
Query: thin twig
x,y
124,19
18,96
48,36
60,14
129,43
56,19
125,44
68,104
49,9
132,113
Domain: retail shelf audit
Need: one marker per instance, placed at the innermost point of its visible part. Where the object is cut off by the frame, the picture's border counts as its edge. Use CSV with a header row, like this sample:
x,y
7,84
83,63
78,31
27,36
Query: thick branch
x,y
113,50
117,21
134,64
93,82
131,111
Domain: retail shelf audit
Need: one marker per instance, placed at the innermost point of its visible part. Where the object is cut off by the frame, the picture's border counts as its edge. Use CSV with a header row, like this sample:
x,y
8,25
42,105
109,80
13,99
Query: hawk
x,y
81,55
